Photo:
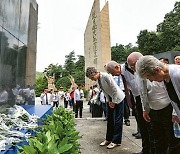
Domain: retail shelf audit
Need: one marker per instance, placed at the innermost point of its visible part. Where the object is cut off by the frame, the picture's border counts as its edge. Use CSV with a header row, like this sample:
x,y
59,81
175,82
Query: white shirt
x,y
49,98
121,85
78,95
67,96
55,97
131,81
102,97
61,95
157,95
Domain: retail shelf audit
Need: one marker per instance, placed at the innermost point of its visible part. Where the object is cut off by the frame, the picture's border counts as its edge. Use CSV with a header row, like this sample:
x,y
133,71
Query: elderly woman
x,y
153,69
115,97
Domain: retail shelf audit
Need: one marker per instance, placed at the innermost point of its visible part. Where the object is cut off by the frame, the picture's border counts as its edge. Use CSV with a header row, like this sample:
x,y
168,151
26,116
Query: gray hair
x,y
91,71
110,66
146,64
134,56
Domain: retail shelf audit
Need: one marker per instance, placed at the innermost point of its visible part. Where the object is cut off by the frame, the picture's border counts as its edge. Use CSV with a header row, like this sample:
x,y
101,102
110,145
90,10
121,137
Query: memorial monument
x,y
97,46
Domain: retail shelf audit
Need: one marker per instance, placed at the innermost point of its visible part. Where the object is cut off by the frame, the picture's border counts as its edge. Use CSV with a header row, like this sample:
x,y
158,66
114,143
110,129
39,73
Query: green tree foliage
x,y
120,52
170,29
64,82
69,62
149,42
54,69
79,73
80,64
76,69
41,83
167,36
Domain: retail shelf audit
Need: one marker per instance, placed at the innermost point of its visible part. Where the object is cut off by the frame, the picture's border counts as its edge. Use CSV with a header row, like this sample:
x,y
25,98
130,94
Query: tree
x,y
64,82
148,42
120,52
54,69
69,62
79,73
76,69
170,29
167,36
41,83
80,64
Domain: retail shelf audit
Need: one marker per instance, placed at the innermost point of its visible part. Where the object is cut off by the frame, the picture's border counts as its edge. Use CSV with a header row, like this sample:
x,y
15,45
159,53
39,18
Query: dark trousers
x,y
134,110
66,104
144,128
72,104
97,110
78,107
162,129
126,110
115,123
104,106
55,103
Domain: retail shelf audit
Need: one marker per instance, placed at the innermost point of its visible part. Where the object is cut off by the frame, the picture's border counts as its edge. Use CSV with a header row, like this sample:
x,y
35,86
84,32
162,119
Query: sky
x,y
62,25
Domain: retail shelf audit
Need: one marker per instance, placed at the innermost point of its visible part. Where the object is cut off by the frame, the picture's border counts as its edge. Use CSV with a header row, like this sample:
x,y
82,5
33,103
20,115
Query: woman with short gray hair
x,y
115,99
151,68
146,66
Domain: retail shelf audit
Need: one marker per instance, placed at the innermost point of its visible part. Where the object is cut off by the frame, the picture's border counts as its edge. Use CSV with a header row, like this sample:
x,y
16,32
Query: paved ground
x,y
93,133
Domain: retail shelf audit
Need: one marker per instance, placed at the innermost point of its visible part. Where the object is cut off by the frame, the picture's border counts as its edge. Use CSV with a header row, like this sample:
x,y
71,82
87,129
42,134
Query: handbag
x,y
176,128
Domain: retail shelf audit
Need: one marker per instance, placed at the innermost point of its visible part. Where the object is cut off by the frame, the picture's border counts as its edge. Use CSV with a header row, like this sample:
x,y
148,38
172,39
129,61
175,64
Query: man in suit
x,y
115,97
46,97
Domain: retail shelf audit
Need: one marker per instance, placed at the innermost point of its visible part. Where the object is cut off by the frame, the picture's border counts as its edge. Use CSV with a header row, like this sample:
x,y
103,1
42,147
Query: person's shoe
x,y
127,122
105,142
134,134
138,136
112,145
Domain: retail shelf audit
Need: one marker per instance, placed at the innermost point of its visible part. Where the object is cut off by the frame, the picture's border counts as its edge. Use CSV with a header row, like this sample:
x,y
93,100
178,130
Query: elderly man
x,y
115,98
143,125
114,68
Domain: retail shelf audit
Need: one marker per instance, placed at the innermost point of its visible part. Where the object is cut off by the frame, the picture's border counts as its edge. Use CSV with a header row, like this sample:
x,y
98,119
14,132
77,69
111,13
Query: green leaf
x,y
65,148
29,150
39,145
48,134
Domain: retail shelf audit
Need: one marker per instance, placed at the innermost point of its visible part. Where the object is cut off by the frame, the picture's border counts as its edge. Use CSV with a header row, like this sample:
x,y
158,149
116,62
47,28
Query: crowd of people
x,y
73,99
151,88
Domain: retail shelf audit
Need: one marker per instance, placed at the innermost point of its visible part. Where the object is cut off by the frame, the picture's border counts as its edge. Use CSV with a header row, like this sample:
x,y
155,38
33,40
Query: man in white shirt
x,y
46,97
120,83
78,101
143,125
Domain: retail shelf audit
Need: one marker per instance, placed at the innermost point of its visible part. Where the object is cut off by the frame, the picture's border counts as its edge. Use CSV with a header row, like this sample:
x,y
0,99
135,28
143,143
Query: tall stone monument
x,y
97,46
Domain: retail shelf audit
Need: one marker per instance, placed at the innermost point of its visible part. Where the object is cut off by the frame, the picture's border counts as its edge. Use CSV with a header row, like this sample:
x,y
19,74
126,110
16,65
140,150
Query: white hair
x,y
146,64
110,66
